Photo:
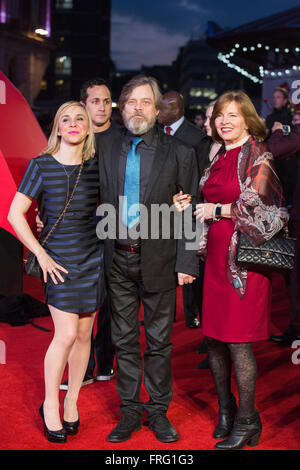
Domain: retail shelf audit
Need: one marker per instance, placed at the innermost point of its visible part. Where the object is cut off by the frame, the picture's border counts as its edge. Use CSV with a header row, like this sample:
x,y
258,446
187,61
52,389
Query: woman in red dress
x,y
239,191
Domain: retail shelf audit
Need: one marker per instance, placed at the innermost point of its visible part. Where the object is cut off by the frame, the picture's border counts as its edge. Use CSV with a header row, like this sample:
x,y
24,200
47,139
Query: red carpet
x,y
193,410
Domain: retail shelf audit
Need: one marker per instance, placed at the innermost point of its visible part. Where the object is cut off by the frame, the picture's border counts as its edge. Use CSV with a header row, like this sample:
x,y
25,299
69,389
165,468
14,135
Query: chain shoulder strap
x,y
66,206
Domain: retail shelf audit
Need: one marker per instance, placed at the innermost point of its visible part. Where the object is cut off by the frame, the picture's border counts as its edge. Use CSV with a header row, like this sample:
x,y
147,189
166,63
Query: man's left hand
x,y
185,279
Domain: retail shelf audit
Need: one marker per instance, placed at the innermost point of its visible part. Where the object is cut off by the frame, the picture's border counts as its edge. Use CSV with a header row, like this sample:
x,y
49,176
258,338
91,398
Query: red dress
x,y
225,316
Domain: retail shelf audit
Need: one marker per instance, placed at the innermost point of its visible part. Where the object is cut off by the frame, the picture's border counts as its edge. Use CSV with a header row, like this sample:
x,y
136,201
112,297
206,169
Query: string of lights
x,y
225,58
239,69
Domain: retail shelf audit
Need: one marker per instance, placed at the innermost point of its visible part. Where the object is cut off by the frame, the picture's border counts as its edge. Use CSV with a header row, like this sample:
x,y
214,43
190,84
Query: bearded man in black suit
x,y
141,267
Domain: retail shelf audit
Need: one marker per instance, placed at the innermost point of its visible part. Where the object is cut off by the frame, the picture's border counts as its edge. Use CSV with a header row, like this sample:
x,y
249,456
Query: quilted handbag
x,y
278,253
32,267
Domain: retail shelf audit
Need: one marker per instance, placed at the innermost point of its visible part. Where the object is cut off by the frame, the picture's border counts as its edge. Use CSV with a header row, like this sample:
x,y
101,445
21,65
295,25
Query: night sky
x,y
150,32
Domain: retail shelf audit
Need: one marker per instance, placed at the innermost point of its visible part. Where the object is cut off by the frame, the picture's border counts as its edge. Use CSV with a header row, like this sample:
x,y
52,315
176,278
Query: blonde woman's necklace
x,y
73,171
68,175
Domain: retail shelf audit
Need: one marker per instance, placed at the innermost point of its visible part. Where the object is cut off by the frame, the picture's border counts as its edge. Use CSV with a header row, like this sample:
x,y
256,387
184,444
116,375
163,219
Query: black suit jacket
x,y
193,137
174,167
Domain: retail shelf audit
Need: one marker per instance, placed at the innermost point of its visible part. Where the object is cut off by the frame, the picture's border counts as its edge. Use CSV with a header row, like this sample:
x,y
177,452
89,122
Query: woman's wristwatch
x,y
217,212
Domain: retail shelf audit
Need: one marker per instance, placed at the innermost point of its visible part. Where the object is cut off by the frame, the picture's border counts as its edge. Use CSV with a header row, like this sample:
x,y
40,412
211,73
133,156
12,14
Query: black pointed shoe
x,y
246,431
128,424
226,419
286,338
58,437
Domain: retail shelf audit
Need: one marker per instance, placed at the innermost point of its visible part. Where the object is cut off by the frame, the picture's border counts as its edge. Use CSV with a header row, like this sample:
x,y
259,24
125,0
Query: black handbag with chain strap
x,y
276,254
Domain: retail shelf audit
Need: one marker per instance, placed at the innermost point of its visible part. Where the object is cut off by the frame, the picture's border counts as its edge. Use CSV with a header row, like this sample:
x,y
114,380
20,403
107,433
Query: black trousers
x,y
192,297
102,345
127,291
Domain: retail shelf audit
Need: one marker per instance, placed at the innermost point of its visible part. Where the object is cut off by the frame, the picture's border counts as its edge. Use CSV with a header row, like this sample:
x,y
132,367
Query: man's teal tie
x,y
132,185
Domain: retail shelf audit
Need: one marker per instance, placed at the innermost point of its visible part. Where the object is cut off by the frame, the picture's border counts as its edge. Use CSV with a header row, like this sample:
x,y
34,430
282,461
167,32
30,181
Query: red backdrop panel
x,y
8,189
21,138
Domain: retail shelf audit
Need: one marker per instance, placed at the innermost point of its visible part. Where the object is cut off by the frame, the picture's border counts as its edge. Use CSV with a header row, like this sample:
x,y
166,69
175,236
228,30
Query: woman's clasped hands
x,y
203,211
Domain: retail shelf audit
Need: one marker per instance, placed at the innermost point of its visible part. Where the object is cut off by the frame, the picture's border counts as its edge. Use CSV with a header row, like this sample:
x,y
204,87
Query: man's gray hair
x,y
136,81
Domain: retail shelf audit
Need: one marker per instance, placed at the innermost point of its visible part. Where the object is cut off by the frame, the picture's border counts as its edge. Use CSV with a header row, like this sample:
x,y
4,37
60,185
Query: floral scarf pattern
x,y
259,211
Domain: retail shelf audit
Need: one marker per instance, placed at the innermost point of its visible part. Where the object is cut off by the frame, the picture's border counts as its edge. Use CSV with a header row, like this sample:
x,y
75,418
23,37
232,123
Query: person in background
x,y
281,109
71,259
209,147
199,120
285,145
296,117
171,116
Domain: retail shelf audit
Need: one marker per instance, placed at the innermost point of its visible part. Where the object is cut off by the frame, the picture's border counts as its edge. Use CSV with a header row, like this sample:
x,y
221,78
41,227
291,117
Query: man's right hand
x,y
39,224
181,201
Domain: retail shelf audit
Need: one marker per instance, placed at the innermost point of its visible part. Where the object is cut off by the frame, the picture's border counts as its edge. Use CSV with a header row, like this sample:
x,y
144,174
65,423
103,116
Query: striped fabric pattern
x,y
74,243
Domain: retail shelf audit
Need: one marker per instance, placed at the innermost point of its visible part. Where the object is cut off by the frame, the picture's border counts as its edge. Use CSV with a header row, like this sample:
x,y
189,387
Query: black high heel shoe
x,y
71,427
59,436
226,419
245,431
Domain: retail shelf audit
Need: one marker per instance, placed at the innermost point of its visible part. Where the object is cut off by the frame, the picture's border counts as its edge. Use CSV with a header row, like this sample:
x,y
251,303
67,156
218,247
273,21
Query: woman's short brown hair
x,y
256,125
136,81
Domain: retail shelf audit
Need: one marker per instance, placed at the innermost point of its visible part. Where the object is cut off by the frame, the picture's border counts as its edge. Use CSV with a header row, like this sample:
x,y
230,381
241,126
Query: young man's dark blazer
x,y
174,167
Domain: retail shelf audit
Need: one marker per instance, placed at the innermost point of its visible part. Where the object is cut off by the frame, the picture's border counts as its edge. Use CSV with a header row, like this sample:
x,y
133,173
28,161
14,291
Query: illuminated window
x,y
43,85
198,107
209,93
63,90
64,4
63,65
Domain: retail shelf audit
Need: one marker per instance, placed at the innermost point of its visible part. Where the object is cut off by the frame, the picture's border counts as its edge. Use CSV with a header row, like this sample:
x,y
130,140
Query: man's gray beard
x,y
139,128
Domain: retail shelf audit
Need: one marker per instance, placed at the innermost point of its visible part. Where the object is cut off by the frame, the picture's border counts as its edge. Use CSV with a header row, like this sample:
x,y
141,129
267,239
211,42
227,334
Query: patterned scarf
x,y
259,211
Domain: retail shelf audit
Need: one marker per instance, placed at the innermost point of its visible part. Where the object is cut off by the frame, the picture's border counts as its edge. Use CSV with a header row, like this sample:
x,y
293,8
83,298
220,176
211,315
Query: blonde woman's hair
x,y
256,125
88,150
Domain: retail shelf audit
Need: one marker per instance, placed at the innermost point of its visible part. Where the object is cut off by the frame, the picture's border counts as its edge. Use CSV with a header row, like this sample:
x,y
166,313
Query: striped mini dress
x,y
74,244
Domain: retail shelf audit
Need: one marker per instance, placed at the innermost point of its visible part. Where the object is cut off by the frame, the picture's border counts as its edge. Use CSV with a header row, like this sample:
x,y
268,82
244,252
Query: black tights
x,y
221,356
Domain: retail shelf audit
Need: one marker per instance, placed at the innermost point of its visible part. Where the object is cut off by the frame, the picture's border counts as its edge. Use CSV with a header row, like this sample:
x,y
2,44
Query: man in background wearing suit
x,y
171,116
147,167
